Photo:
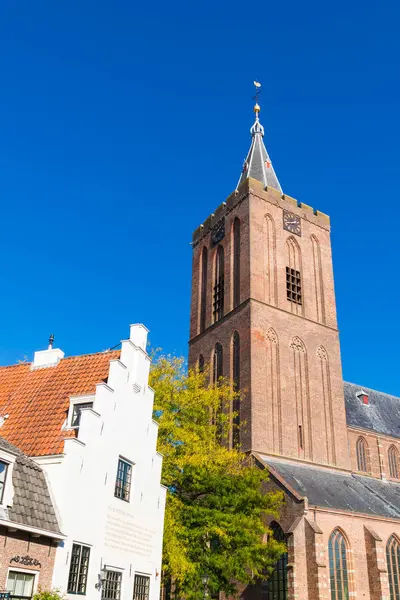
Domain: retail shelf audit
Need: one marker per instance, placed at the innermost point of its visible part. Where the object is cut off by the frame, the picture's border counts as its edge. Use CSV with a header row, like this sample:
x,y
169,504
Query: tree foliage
x,y
43,594
216,507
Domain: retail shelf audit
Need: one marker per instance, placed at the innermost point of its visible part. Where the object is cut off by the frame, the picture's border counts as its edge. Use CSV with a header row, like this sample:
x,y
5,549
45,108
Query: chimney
x,y
47,358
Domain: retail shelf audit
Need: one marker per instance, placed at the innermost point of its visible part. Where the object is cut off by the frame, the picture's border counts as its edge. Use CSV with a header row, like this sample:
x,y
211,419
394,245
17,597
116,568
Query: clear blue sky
x,y
124,124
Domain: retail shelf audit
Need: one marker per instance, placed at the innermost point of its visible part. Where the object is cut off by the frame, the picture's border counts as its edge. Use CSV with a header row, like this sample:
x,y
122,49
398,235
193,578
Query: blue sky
x,y
124,124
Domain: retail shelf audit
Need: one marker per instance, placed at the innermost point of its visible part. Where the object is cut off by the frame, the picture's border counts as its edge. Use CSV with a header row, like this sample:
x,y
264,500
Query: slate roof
x,y
32,505
338,490
381,414
37,401
258,164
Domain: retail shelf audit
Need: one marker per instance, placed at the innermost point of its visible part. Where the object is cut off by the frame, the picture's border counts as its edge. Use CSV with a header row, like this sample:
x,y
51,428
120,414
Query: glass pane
x,y
28,586
11,582
19,585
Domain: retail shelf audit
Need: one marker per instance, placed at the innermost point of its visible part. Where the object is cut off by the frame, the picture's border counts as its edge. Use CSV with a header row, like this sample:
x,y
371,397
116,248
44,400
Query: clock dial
x,y
291,222
218,232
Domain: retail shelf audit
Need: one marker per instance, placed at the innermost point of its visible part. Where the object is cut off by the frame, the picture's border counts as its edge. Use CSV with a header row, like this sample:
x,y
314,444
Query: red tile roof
x,y
37,401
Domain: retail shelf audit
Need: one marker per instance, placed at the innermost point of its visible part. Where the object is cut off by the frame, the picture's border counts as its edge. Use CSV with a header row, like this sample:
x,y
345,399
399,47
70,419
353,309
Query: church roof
x,y
258,164
336,490
381,414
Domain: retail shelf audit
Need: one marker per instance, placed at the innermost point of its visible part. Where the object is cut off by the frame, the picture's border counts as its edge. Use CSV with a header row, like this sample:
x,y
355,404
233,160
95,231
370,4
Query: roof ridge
x,y
364,387
28,363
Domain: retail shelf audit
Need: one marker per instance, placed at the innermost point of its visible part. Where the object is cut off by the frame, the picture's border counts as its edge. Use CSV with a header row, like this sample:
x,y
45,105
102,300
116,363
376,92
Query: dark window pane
x,y
141,587
111,589
76,412
123,481
78,569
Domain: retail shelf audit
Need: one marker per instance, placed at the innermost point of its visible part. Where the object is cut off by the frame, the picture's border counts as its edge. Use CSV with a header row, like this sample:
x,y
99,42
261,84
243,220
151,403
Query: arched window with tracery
x,y
201,363
276,585
203,289
218,362
362,455
236,262
393,566
236,382
393,456
219,282
338,566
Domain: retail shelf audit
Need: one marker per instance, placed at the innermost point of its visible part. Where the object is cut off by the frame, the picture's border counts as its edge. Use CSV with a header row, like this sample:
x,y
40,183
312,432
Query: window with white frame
x,y
3,476
78,569
141,587
123,480
76,412
111,589
20,585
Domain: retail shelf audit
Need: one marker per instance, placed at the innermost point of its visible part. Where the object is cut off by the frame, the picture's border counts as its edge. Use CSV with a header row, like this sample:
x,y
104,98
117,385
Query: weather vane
x,y
258,92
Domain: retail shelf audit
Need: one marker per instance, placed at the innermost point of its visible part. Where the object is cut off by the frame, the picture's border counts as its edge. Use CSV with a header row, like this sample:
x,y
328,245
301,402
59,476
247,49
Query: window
x,y
141,587
20,585
3,475
203,290
362,455
236,263
76,412
78,570
393,456
218,360
236,382
275,587
123,481
111,589
338,567
393,565
201,363
293,285
218,306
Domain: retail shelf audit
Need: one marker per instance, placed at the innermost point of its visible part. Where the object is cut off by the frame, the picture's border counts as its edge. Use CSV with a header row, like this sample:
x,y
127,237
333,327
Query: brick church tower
x,y
263,312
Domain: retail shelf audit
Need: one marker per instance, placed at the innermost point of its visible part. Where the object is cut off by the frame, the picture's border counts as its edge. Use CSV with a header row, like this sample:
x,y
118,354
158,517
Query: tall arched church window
x,y
219,281
393,456
338,566
203,290
275,587
362,455
218,363
236,381
393,566
236,262
201,363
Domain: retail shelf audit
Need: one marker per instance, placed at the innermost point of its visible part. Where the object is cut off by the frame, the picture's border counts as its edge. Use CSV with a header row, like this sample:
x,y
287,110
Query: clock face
x,y
291,222
218,232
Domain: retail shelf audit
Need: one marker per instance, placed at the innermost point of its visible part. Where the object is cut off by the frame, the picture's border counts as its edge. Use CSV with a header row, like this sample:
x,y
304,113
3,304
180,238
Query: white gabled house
x,y
92,432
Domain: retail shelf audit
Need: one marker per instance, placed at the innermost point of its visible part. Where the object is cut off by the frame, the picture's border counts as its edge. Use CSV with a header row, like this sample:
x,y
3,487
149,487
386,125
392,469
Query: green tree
x,y
43,594
216,504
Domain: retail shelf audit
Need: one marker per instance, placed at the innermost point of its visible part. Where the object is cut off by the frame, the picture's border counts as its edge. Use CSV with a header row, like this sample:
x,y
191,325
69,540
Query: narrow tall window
x,y
236,382
123,480
393,565
338,566
276,586
78,569
201,363
141,587
236,263
219,282
218,360
362,455
293,285
111,588
3,475
393,456
203,291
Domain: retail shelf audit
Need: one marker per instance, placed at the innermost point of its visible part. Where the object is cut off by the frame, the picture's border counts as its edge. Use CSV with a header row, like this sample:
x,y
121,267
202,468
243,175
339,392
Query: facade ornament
x,y
297,345
271,336
26,560
322,353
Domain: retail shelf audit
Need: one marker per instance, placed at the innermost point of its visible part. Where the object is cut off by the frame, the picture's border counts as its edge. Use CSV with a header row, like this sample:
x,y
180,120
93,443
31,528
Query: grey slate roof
x,y
258,164
339,490
32,505
382,414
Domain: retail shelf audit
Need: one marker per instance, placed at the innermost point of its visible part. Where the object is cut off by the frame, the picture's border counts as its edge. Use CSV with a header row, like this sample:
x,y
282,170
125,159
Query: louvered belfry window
x,y
219,283
362,455
293,285
338,566
393,566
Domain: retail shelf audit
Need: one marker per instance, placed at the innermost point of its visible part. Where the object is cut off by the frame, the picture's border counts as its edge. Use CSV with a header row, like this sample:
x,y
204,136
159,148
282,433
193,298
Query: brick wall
x,y
21,543
377,451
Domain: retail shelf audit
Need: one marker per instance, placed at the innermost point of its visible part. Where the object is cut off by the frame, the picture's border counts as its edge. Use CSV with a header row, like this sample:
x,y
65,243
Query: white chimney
x,y
49,357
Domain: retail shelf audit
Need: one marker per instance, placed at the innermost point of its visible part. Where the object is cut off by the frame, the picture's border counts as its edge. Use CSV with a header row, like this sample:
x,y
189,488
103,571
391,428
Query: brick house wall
x,y
377,451
21,544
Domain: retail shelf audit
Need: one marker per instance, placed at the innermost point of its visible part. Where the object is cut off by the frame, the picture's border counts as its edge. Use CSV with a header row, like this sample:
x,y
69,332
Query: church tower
x,y
263,313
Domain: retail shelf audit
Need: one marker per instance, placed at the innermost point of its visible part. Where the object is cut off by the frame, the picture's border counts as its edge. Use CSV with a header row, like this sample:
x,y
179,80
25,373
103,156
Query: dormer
x,y
363,396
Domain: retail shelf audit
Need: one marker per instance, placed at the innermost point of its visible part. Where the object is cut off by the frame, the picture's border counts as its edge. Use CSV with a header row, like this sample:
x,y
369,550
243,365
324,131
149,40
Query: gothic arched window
x,y
338,566
362,455
236,381
217,367
276,585
393,456
393,565
203,289
201,363
236,262
219,282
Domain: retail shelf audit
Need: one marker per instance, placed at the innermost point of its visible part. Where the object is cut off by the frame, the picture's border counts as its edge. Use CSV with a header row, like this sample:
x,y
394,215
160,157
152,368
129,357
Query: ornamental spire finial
x,y
258,92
